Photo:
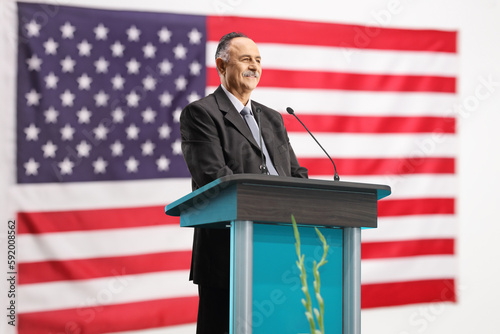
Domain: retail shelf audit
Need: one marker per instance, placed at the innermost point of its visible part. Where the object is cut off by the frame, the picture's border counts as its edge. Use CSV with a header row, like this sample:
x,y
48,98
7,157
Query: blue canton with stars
x,y
99,92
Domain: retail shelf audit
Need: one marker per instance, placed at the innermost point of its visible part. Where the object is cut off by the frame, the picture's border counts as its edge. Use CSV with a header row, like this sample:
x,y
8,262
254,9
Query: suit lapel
x,y
233,116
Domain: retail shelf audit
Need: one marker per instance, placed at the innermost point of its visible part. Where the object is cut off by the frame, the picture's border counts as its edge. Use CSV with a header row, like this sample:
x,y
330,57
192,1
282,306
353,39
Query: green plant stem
x,y
303,278
317,283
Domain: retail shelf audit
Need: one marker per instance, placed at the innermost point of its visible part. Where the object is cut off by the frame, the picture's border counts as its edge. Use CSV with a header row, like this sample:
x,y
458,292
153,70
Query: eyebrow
x,y
247,55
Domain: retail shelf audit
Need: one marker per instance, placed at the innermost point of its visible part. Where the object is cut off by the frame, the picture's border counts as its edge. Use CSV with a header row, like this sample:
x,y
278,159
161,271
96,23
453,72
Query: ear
x,y
221,65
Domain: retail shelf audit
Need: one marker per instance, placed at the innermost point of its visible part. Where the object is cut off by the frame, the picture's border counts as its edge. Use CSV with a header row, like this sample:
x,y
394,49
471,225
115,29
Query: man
x,y
216,141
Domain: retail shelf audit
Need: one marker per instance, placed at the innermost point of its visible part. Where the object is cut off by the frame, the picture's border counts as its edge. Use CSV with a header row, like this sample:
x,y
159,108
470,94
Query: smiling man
x,y
220,137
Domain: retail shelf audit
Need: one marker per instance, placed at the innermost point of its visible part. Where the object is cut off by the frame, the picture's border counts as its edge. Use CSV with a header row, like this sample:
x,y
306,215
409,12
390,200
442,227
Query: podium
x,y
265,289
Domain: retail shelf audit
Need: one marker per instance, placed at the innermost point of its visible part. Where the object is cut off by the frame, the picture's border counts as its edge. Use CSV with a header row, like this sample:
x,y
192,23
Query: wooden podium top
x,y
273,199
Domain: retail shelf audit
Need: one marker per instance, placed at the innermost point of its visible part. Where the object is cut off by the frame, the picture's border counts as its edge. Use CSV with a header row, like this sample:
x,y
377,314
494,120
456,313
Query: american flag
x,y
99,94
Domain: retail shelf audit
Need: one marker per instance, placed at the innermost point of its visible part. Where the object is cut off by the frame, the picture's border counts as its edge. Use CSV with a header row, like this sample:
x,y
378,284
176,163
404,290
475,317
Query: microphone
x,y
291,112
263,167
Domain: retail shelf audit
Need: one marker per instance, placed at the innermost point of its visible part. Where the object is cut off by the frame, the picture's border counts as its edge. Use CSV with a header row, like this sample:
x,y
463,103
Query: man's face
x,y
241,73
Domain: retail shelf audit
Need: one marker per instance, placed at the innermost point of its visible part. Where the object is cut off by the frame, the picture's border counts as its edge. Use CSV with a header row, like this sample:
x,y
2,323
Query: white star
x,y
101,132
51,115
50,46
164,35
33,28
67,98
166,99
101,32
193,97
132,165
147,148
148,115
163,163
68,64
180,83
83,115
132,99
49,150
51,81
101,99
67,30
132,132
195,68
83,149
67,132
164,131
117,81
66,166
84,48
176,147
84,82
118,115
34,63
133,34
32,132
100,166
101,65
176,115
149,50
149,83
133,66
180,51
194,36
31,167
116,148
117,49
33,97
165,67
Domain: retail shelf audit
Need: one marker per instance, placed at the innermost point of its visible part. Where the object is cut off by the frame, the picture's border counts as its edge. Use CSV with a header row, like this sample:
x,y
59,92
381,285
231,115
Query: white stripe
x,y
103,243
422,186
337,59
356,103
96,195
408,186
182,329
104,291
374,146
408,269
412,228
416,185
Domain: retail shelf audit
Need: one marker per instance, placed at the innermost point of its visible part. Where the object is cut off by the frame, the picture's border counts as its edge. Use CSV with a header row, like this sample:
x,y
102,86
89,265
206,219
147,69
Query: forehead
x,y
243,46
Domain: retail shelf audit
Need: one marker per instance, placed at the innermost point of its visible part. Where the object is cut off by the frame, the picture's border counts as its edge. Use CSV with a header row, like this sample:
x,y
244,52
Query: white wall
x,y
478,23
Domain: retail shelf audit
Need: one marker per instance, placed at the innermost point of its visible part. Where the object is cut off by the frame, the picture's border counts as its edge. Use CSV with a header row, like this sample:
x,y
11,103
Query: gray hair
x,y
224,42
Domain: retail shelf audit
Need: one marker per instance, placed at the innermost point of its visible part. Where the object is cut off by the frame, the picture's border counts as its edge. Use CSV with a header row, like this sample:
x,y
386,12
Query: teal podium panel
x,y
265,288
277,293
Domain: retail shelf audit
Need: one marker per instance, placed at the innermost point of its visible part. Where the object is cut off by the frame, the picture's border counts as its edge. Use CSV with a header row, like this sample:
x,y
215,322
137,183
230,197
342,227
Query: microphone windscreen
x,y
289,110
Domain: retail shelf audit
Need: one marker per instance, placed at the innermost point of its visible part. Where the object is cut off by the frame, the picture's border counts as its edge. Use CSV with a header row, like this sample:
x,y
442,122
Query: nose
x,y
253,64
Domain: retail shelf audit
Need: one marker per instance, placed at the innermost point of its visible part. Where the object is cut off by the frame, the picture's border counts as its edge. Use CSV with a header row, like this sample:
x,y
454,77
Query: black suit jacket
x,y
216,141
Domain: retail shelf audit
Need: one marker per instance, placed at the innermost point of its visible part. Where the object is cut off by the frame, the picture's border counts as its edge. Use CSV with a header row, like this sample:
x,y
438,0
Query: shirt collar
x,y
234,100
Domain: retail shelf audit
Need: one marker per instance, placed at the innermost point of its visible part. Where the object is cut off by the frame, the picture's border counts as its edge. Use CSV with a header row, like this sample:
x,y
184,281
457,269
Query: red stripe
x,y
370,124
401,293
84,220
347,81
111,318
370,166
263,30
418,206
378,250
48,271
